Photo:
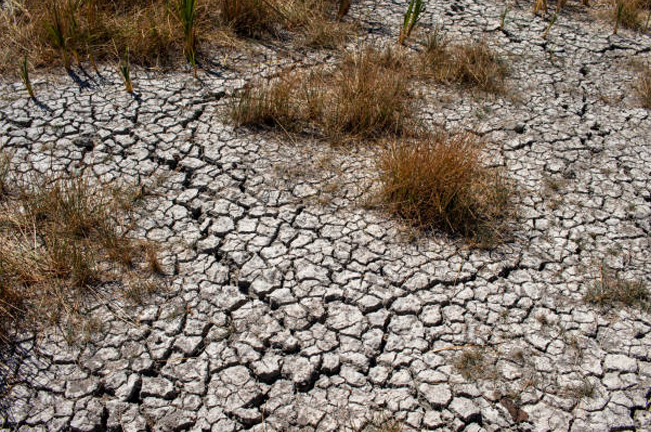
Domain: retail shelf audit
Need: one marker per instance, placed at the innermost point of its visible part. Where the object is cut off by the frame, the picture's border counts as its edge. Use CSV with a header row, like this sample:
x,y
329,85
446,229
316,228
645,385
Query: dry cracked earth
x,y
289,305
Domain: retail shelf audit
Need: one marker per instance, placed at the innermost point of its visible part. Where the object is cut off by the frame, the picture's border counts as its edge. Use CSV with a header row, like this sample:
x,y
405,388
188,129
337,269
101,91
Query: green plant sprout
x,y
57,34
549,27
412,16
506,11
186,10
125,70
620,11
24,74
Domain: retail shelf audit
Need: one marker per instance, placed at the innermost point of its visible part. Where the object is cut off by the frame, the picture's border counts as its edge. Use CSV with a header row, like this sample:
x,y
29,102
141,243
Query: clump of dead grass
x,y
471,64
643,87
60,240
366,96
612,291
628,13
251,18
440,183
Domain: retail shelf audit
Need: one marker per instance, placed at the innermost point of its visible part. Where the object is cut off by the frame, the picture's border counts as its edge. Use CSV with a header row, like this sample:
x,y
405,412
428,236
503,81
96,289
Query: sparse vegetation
x,y
439,183
365,97
60,240
611,291
471,65
157,32
643,86
471,364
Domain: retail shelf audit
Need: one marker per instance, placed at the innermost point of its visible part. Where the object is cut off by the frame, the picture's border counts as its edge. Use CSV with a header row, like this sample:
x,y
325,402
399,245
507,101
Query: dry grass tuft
x,y
611,291
470,65
440,183
251,18
628,13
366,97
643,87
60,239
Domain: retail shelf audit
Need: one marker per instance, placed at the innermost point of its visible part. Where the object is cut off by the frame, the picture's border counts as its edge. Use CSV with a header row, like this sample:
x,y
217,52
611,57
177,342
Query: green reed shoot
x,y
506,11
125,71
620,12
549,27
57,33
412,16
24,74
186,10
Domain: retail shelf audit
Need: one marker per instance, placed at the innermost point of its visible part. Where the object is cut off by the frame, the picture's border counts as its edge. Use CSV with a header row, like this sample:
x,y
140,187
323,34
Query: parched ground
x,y
292,306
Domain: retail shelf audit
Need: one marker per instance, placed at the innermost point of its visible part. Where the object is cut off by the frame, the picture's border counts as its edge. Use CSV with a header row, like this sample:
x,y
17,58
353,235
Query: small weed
x,y
471,364
611,291
504,13
439,183
411,18
542,319
518,355
549,26
24,75
585,390
125,70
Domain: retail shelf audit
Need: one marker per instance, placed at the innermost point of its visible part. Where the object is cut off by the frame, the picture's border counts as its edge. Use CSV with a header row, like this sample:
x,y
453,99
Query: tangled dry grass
x,y
61,240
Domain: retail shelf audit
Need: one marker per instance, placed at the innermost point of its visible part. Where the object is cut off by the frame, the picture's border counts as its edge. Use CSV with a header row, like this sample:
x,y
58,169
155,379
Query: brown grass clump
x,y
60,239
252,18
439,183
628,13
470,65
611,291
365,97
643,87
